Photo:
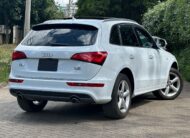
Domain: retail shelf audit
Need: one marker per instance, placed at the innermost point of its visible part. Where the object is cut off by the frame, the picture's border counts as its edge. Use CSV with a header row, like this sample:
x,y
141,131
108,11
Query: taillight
x,y
18,55
92,57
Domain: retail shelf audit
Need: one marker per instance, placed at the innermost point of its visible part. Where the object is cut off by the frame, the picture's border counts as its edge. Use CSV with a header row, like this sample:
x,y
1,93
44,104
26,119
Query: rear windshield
x,y
61,35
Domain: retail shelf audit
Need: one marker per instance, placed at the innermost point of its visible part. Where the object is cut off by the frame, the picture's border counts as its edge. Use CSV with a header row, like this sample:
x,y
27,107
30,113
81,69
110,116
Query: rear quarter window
x,y
114,36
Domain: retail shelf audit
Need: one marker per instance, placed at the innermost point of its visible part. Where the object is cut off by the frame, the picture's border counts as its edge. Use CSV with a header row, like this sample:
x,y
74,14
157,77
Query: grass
x,y
5,60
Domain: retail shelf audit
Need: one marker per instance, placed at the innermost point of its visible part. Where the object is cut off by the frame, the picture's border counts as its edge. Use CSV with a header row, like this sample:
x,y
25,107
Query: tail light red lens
x,y
91,57
16,80
85,84
18,55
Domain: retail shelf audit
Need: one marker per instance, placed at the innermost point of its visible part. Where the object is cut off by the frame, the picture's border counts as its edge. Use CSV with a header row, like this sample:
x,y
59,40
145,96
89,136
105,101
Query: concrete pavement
x,y
148,118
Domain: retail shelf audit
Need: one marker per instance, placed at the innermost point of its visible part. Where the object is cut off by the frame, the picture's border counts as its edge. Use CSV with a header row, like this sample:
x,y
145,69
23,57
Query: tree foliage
x,y
8,11
131,9
170,20
92,7
44,10
13,11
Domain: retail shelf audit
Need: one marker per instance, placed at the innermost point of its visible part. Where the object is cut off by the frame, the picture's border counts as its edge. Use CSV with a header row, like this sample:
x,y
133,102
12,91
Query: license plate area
x,y
47,64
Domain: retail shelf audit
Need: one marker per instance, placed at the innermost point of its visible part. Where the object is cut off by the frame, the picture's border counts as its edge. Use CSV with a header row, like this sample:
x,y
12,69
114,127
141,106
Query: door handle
x,y
151,57
131,57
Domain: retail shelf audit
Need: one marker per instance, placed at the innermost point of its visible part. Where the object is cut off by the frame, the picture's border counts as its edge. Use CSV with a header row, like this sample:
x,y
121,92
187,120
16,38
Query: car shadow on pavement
x,y
69,113
142,100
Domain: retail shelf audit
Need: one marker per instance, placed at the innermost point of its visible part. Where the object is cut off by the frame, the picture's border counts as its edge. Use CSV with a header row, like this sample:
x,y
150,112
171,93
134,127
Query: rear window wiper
x,y
59,44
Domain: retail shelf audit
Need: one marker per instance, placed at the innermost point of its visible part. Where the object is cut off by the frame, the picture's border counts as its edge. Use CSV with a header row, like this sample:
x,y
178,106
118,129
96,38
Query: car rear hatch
x,y
59,52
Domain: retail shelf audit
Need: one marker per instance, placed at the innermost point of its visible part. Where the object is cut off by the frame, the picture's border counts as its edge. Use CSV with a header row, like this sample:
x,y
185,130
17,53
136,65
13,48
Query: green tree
x,y
171,20
43,10
13,11
131,9
8,10
93,8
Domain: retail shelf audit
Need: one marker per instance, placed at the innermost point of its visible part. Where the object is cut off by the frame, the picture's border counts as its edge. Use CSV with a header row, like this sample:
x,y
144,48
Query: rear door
x,y
53,52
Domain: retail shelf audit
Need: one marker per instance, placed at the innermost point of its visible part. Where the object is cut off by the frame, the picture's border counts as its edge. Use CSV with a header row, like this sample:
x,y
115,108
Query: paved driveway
x,y
148,118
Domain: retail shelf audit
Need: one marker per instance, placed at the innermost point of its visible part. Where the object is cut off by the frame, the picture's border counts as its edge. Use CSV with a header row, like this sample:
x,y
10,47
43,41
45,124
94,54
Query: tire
x,y
174,86
31,106
117,108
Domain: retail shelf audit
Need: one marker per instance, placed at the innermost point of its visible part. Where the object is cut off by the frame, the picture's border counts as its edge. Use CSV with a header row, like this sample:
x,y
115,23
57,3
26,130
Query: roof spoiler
x,y
62,26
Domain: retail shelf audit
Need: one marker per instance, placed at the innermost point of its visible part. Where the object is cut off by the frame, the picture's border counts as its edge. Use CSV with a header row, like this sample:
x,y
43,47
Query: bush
x,y
5,60
184,63
171,20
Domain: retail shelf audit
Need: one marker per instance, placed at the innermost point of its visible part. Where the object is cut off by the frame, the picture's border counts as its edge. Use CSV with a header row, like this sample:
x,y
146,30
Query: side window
x,y
128,36
114,37
145,38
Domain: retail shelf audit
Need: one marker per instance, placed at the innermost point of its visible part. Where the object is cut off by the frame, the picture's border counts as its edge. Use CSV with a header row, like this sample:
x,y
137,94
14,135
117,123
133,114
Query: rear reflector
x,y
91,57
85,84
18,55
16,80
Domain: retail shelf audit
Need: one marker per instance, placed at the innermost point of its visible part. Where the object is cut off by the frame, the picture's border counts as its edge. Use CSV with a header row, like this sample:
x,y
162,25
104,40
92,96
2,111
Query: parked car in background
x,y
99,61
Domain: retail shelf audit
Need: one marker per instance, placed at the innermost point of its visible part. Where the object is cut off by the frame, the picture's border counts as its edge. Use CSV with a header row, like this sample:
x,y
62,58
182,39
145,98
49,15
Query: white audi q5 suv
x,y
100,61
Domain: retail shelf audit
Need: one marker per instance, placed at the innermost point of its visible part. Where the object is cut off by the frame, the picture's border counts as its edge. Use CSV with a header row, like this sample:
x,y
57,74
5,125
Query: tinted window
x,y
114,38
145,38
128,36
62,35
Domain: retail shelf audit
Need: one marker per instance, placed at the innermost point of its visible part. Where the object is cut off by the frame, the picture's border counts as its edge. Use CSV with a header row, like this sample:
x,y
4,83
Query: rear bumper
x,y
59,90
53,96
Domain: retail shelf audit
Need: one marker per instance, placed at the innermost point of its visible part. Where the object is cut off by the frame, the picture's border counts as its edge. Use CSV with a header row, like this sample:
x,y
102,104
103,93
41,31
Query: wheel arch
x,y
129,74
175,65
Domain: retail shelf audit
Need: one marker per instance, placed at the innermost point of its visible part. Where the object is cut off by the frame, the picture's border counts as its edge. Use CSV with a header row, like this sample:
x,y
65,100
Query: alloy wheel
x,y
123,96
173,85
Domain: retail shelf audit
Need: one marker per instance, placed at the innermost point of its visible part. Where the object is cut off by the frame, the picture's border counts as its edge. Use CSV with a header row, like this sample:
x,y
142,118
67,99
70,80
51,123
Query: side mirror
x,y
162,43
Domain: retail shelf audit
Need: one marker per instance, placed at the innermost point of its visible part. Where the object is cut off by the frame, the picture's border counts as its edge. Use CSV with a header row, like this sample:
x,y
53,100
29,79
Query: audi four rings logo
x,y
47,55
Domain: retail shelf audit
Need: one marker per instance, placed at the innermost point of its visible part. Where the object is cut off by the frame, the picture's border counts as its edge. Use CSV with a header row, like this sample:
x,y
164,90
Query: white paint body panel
x,y
149,73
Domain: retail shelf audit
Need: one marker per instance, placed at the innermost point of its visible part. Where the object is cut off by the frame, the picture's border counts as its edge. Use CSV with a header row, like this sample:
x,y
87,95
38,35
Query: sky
x,y
63,2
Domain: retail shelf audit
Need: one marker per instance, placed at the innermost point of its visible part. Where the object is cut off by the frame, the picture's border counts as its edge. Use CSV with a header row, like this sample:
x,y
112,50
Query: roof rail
x,y
91,17
103,18
119,19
